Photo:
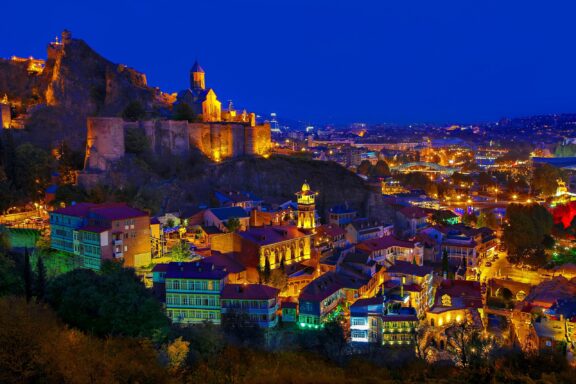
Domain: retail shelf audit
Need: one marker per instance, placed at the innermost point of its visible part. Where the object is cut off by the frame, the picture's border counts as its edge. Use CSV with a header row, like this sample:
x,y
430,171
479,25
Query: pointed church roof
x,y
196,68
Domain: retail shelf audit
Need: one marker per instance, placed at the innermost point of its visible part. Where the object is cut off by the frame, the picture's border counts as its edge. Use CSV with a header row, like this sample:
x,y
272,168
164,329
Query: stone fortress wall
x,y
217,140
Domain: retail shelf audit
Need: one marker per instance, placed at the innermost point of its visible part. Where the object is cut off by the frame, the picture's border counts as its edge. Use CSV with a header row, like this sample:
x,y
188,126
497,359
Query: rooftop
x,y
226,213
249,292
195,270
407,268
384,243
271,235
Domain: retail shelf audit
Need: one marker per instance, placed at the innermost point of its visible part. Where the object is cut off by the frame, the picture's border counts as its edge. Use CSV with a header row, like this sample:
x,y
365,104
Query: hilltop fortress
x,y
219,134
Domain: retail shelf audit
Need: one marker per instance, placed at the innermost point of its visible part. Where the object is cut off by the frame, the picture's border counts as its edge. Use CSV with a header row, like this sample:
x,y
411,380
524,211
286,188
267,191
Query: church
x,y
221,133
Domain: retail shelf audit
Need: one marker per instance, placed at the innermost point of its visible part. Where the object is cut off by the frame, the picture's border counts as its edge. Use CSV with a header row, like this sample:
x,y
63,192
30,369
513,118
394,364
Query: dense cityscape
x,y
149,237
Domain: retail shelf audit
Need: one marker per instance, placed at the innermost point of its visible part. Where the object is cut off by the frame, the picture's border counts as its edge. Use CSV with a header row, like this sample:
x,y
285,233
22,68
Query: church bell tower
x,y
306,207
197,77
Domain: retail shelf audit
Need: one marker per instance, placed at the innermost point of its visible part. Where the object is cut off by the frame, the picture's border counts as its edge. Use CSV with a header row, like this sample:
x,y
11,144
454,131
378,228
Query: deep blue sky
x,y
338,61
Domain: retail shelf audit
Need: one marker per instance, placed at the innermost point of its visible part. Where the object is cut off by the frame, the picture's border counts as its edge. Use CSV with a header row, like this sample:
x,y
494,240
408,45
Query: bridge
x,y
517,289
421,166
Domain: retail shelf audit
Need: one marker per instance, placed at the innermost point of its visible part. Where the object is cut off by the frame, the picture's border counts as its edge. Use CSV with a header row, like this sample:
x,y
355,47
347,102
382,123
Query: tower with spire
x,y
197,75
306,207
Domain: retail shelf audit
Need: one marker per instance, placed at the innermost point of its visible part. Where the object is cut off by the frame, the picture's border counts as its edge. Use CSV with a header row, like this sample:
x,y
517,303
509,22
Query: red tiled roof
x,y
413,212
408,268
249,292
384,243
466,292
331,230
224,261
271,235
79,210
110,211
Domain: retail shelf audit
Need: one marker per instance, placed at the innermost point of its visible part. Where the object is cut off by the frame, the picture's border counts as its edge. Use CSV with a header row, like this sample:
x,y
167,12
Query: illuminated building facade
x,y
259,303
97,232
306,207
192,291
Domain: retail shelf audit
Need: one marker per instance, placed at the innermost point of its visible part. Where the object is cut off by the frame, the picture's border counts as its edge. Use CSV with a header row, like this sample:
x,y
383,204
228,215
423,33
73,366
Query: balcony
x,y
118,255
117,242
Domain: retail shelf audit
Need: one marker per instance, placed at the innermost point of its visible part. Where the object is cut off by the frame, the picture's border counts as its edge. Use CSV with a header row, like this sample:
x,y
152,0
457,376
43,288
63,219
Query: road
x,y
502,269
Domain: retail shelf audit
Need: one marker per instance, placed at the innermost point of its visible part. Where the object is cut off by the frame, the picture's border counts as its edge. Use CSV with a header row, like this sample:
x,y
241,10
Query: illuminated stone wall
x,y
225,140
104,142
5,116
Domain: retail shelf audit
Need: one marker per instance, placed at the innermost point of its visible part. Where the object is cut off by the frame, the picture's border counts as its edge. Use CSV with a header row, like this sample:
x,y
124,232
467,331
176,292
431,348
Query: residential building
x,y
363,229
246,200
256,302
330,236
289,311
416,281
411,220
399,326
97,232
219,217
341,215
365,320
320,300
192,290
388,249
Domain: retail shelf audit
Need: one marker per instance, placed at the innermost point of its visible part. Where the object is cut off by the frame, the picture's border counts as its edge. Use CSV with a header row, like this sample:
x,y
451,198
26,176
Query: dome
x,y
305,187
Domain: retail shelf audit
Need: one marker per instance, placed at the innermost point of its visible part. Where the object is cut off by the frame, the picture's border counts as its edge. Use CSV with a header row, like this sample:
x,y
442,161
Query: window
x,y
358,321
356,334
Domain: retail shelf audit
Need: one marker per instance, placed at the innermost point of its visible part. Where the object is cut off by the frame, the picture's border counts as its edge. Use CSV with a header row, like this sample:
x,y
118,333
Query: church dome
x,y
305,187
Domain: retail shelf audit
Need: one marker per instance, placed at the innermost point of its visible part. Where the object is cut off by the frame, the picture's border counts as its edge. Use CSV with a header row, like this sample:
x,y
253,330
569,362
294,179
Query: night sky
x,y
332,61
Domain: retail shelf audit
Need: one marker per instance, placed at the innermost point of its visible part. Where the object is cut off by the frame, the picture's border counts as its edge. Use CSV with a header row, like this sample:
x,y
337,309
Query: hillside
x,y
76,82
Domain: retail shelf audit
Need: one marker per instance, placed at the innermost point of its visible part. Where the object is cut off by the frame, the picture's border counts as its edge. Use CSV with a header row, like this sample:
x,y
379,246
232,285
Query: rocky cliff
x,y
75,83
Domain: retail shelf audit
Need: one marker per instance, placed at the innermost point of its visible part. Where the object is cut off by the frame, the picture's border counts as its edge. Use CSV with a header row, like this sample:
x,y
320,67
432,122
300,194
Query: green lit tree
x,y
180,251
233,224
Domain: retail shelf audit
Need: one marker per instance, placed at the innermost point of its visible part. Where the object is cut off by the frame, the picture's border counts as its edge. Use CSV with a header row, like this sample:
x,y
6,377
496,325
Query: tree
x,y
469,218
445,264
40,283
112,303
134,111
526,233
487,219
266,272
545,179
183,111
364,168
180,251
233,224
33,170
27,276
278,279
10,280
136,141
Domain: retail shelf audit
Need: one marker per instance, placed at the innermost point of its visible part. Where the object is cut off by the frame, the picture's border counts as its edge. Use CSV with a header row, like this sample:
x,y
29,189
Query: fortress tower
x,y
306,207
5,113
197,75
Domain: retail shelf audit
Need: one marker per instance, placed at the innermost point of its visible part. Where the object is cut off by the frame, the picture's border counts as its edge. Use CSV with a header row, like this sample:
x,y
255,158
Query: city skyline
x,y
335,62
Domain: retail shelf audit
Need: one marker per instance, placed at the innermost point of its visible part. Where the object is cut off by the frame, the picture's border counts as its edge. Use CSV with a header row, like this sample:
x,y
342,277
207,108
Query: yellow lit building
x,y
306,207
